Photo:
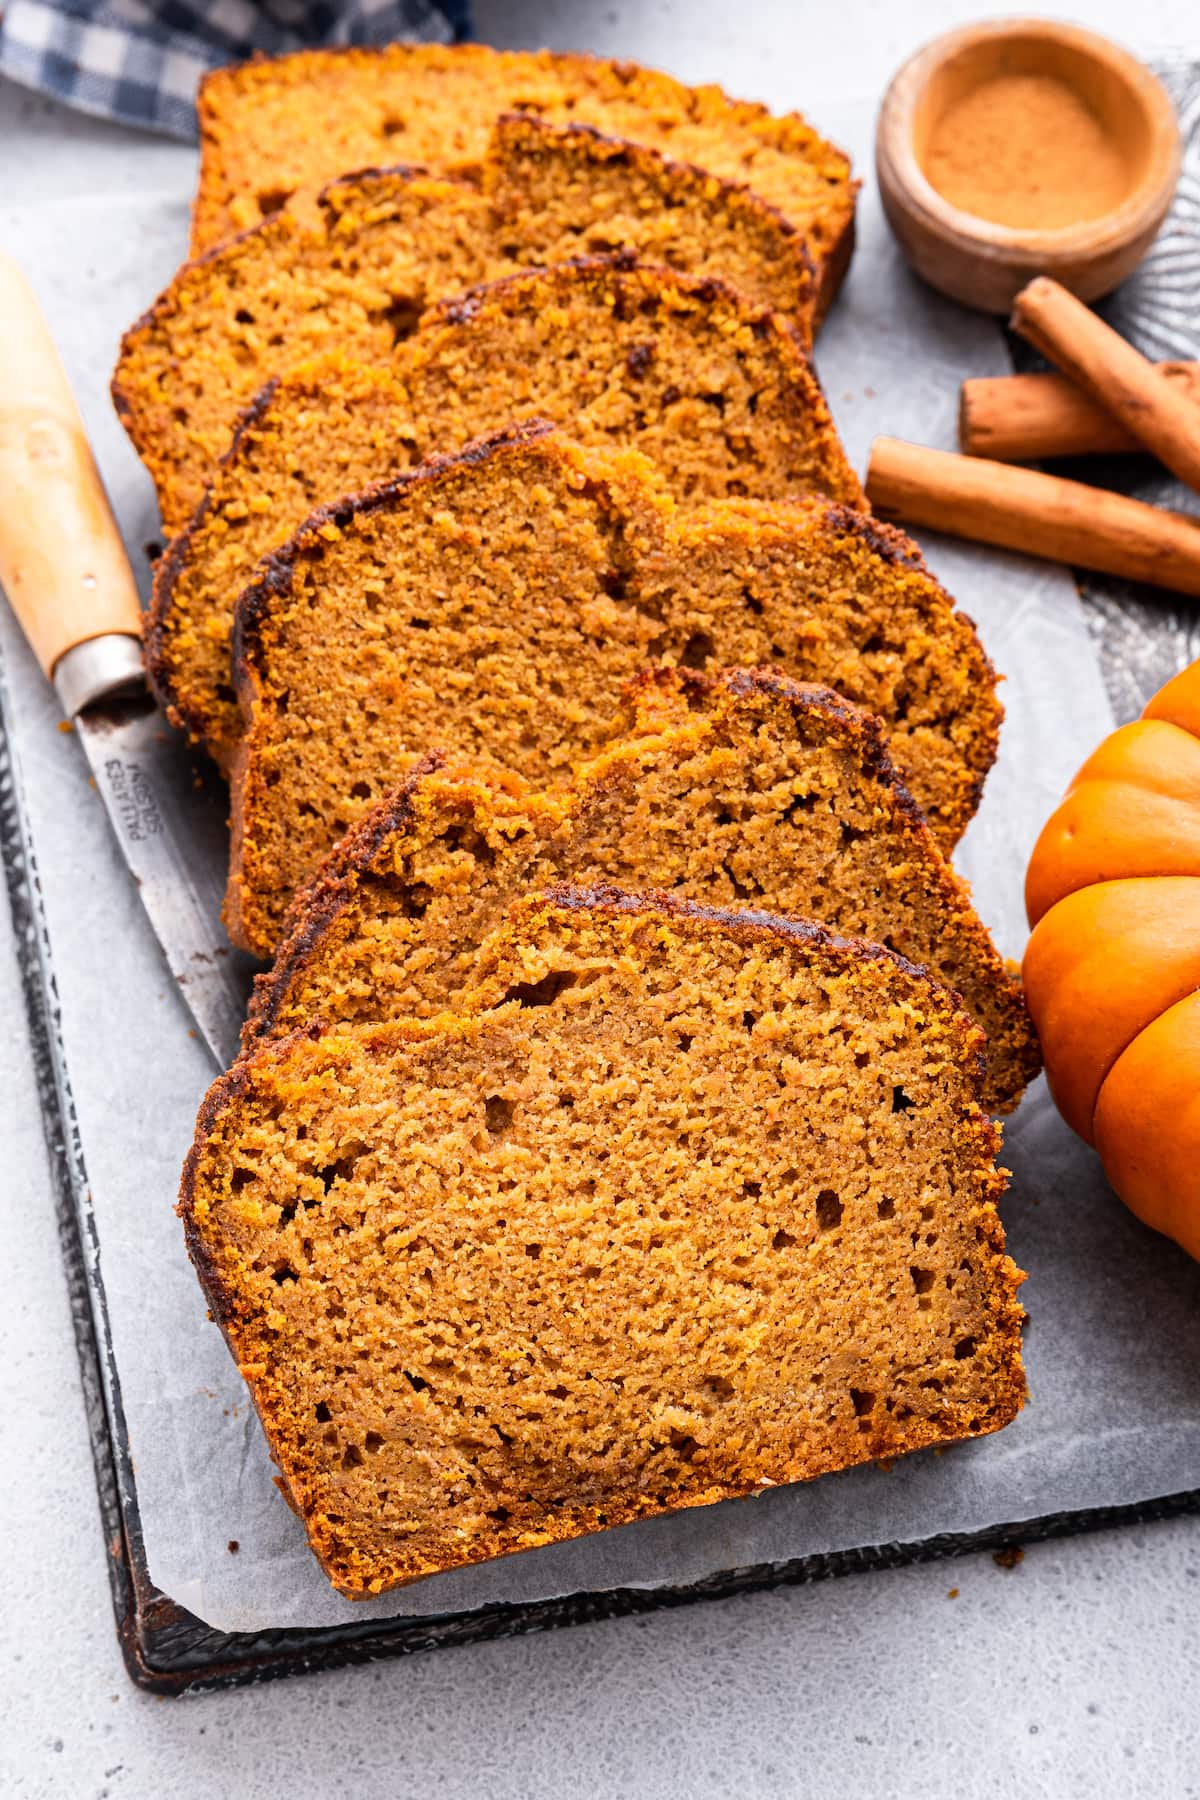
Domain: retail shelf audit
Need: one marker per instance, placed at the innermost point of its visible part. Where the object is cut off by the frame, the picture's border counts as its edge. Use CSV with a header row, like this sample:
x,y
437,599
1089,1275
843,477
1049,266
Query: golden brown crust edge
x,y
167,573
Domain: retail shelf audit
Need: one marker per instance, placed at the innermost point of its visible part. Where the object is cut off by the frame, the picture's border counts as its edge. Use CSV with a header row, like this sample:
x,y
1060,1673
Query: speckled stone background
x,y
1073,1673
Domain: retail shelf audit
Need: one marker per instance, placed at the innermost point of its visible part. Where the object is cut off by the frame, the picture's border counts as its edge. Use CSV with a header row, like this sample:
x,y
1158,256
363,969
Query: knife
x,y
68,580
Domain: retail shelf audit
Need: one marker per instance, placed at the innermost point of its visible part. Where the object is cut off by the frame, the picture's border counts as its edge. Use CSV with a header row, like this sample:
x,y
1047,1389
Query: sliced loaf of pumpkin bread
x,y
385,244
741,789
274,132
679,1205
492,605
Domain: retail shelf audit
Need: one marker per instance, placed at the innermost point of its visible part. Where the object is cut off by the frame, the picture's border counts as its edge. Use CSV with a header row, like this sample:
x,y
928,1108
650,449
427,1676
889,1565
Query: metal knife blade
x,y
169,818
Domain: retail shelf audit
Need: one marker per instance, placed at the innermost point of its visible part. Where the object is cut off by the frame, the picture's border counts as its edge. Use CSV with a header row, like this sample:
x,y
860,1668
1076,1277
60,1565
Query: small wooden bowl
x,y
985,264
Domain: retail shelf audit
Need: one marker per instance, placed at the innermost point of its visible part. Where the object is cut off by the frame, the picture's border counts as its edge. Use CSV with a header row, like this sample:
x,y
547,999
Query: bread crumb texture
x,y
678,1206
492,605
739,790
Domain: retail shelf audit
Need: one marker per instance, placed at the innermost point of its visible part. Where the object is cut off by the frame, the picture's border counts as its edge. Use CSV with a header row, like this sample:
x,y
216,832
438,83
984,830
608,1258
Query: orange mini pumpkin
x,y
1112,970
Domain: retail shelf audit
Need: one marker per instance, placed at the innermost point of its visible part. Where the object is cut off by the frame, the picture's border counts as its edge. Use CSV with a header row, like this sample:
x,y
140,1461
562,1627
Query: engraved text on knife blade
x,y
170,821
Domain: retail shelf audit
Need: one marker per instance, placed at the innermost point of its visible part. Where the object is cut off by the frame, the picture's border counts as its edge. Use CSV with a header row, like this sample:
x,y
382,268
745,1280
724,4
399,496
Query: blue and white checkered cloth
x,y
139,61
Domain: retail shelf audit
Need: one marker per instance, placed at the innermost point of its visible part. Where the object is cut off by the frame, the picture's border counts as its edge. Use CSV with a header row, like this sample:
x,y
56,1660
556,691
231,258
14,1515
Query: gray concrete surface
x,y
1070,1675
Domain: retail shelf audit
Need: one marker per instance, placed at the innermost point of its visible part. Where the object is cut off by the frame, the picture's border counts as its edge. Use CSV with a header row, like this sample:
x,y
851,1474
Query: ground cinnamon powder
x,y
1026,151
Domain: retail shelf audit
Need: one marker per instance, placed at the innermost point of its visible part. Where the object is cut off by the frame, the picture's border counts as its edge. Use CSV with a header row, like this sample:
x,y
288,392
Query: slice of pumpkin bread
x,y
682,1204
356,278
562,191
833,595
827,594
275,131
479,604
385,244
391,925
489,604
718,393
758,792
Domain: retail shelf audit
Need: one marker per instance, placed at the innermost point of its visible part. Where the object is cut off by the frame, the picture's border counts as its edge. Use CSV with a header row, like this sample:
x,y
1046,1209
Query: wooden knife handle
x,y
62,562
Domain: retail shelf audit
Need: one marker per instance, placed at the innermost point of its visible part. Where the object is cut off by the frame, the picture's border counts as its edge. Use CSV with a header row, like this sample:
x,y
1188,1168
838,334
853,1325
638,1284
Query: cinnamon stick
x,y
1022,509
1025,418
1118,377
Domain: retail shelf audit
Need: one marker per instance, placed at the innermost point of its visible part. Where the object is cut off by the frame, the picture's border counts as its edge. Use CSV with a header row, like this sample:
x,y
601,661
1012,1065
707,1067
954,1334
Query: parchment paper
x,y
1113,1344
